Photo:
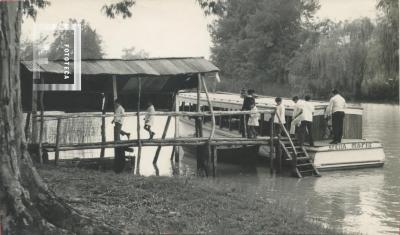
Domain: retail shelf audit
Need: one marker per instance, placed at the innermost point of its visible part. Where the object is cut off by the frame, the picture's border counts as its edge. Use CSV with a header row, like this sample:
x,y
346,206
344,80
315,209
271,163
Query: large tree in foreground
x,y
27,206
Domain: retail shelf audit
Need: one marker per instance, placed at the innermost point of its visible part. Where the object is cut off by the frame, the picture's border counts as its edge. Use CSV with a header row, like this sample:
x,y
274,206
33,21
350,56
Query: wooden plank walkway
x,y
193,141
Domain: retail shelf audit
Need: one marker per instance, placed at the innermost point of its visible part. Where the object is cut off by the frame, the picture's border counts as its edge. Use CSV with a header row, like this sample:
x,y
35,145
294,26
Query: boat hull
x,y
350,154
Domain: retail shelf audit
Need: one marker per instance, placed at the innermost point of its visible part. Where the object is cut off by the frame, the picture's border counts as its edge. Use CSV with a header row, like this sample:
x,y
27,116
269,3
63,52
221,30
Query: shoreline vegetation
x,y
281,48
174,205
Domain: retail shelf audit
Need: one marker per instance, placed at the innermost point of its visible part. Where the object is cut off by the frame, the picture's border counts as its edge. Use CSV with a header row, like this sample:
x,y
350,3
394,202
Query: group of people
x,y
119,113
302,119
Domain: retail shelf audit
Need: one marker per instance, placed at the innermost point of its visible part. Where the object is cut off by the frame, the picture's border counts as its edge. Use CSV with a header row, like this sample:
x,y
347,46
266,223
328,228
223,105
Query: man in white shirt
x,y
336,108
118,120
279,117
306,121
296,117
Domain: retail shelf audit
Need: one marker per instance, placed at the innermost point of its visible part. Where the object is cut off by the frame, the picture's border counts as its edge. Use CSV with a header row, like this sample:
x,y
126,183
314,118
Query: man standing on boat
x,y
118,119
337,106
307,110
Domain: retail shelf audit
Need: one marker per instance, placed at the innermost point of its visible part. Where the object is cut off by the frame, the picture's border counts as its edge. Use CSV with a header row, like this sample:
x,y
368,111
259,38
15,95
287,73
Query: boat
x,y
353,152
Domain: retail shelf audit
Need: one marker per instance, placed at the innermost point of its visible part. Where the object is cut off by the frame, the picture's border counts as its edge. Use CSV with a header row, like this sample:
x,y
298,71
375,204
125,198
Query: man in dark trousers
x,y
336,108
307,110
248,100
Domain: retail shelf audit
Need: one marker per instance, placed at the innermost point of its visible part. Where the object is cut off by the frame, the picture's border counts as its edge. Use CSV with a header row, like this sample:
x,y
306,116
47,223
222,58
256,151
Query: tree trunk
x,y
27,206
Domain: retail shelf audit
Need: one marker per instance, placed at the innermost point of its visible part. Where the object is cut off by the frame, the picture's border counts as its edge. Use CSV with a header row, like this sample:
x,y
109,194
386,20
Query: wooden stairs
x,y
301,161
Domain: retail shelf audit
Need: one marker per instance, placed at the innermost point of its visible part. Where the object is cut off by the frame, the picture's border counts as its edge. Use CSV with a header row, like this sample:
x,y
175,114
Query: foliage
x,y
90,42
255,39
358,57
120,8
30,7
26,48
132,53
279,48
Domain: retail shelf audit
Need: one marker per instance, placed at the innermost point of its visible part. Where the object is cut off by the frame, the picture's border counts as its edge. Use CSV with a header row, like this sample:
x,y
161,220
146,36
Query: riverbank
x,y
174,204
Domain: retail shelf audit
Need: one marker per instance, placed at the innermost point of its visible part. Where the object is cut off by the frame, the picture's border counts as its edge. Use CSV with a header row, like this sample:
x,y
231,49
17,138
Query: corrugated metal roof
x,y
151,67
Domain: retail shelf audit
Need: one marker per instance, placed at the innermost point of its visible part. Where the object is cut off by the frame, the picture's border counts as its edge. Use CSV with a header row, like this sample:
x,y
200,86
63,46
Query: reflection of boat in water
x,y
353,152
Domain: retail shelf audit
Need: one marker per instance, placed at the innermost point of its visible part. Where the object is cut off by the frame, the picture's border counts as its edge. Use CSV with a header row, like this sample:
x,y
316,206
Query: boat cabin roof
x,y
234,101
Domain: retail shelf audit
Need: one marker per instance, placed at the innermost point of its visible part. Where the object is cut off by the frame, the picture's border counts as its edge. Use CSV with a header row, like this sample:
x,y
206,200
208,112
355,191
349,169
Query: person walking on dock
x,y
306,122
253,121
149,119
118,120
296,117
279,115
336,108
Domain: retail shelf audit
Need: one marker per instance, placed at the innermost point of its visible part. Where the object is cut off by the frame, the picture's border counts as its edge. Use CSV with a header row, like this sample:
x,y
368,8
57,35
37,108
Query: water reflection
x,y
364,200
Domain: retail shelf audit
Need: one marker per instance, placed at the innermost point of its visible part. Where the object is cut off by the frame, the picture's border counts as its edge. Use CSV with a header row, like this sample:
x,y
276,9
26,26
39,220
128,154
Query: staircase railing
x,y
294,158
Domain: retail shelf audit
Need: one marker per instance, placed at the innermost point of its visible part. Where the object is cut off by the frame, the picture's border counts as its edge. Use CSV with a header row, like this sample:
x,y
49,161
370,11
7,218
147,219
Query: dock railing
x,y
58,146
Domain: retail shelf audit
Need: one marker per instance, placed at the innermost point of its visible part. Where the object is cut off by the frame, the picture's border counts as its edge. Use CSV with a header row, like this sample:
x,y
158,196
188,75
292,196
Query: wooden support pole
x,y
34,133
27,125
164,134
230,122
199,128
272,144
262,124
215,160
279,153
245,126
210,160
58,136
165,130
103,123
139,90
175,149
172,153
199,122
41,126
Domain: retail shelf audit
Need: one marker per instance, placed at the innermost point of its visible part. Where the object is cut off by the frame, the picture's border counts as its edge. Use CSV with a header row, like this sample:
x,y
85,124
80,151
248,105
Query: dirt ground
x,y
172,205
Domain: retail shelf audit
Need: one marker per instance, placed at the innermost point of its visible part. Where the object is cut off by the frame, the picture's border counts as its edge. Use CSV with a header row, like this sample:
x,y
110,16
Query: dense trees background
x,y
277,47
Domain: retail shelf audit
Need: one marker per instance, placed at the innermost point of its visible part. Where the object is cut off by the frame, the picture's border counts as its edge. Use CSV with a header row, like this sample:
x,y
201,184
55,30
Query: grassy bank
x,y
173,205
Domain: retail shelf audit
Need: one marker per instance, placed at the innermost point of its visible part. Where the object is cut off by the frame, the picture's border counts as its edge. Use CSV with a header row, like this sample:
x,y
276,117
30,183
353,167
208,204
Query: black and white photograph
x,y
199,117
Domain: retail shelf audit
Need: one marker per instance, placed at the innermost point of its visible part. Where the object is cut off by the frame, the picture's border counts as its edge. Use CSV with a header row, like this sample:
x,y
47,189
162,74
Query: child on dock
x,y
149,119
118,120
253,121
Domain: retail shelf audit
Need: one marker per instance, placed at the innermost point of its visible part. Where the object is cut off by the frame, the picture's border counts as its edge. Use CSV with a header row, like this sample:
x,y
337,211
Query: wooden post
x,y
34,133
41,126
138,125
199,122
103,123
115,97
58,136
175,149
165,130
210,160
245,126
279,153
199,127
162,137
272,144
262,124
230,122
215,160
27,124
172,153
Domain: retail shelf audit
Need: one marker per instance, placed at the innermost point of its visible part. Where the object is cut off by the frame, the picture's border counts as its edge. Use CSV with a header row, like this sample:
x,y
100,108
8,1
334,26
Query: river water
x,y
364,200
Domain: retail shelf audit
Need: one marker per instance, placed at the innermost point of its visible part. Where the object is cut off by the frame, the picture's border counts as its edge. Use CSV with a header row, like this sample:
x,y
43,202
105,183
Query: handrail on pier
x,y
158,113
